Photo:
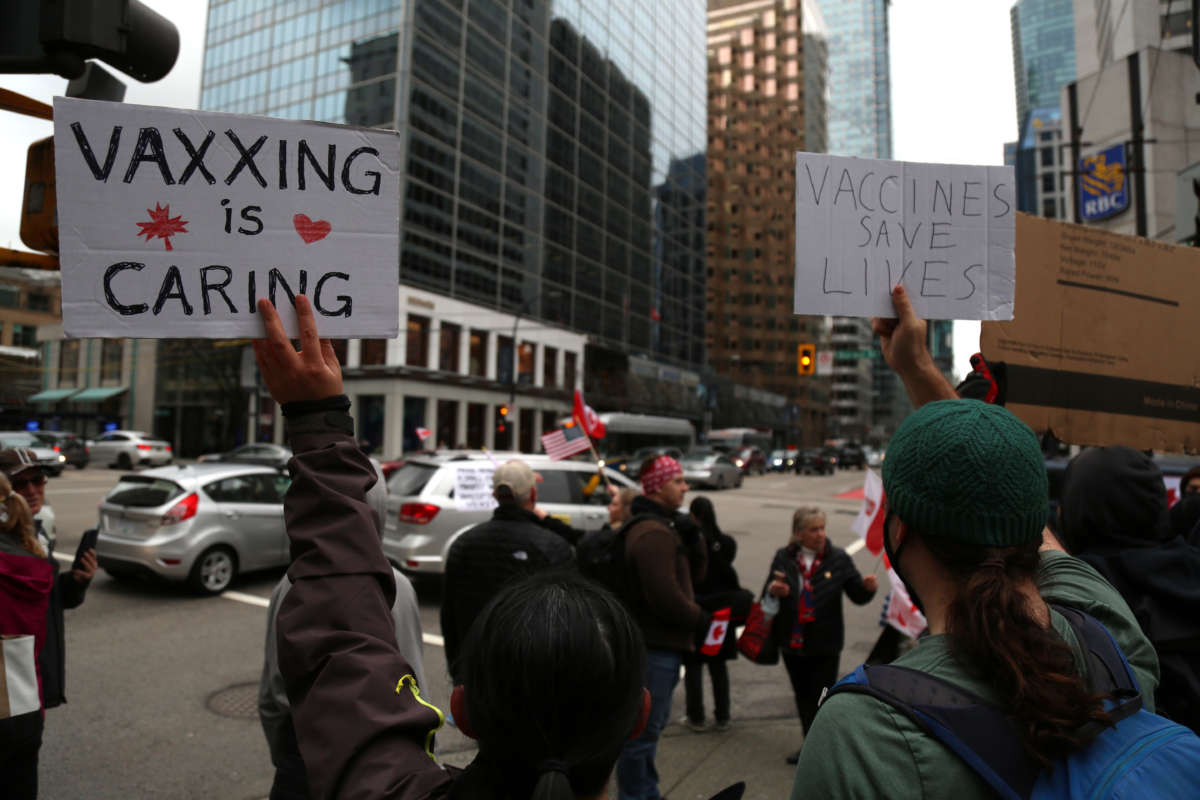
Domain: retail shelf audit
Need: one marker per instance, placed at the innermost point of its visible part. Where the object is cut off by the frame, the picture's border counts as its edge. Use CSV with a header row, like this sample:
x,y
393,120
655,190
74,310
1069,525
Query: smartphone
x,y
88,542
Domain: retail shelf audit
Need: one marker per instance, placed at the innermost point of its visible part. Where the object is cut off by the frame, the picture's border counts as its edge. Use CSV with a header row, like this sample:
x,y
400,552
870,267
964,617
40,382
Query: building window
x,y
448,347
478,354
1047,156
340,349
10,296
36,301
24,335
504,359
525,363
417,343
373,352
569,377
111,352
550,368
1049,208
68,361
1048,182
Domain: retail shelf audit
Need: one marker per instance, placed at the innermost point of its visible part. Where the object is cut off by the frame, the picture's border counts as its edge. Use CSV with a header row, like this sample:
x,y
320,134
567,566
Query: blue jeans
x,y
637,779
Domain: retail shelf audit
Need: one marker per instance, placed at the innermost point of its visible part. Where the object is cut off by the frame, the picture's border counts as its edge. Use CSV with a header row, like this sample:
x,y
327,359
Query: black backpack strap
x,y
980,734
1108,671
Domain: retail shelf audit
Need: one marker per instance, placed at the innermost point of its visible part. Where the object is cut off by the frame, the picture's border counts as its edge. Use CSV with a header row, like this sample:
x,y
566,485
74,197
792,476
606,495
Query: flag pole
x,y
595,456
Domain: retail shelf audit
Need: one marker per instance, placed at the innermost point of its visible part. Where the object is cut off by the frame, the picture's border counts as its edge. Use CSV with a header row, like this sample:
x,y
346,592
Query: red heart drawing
x,y
311,231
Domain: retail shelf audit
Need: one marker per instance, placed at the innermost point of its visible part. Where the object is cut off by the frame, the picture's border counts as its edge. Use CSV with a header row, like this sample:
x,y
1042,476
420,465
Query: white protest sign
x,y
865,225
473,488
173,223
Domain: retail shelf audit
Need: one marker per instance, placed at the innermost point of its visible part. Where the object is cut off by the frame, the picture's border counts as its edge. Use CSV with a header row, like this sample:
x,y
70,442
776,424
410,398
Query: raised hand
x,y
312,373
902,340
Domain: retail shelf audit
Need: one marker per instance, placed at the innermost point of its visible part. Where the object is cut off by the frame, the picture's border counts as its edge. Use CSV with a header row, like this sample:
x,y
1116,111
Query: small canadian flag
x,y
716,633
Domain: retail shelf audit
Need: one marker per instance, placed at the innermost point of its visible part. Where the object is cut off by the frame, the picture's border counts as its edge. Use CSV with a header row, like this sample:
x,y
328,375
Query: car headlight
x,y
61,457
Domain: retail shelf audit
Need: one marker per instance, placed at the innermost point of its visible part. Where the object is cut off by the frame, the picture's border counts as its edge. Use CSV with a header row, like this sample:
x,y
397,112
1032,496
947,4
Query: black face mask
x,y
893,555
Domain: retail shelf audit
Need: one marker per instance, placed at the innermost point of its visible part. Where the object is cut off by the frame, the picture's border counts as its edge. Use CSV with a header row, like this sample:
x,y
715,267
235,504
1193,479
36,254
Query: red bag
x,y
756,642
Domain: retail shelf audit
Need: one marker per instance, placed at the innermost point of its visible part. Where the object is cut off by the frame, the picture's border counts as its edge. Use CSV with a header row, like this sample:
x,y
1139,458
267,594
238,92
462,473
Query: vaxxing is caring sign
x,y
174,223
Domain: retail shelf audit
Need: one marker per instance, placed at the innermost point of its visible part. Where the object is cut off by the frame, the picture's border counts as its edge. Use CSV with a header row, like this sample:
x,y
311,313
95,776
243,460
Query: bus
x,y
633,433
734,439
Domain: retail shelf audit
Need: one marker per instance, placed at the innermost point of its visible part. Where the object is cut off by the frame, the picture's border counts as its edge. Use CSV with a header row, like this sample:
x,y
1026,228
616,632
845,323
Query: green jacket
x,y
860,747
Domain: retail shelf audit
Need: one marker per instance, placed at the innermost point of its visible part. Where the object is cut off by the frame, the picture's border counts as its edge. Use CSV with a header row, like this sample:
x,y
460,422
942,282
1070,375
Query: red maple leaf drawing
x,y
162,225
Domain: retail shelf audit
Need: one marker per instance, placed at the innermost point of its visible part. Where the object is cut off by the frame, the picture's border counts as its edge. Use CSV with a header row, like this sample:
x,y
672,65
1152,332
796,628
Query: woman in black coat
x,y
808,577
718,589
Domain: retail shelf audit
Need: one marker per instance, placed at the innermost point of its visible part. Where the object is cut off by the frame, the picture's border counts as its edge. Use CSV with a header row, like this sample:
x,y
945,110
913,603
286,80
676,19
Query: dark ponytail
x,y
553,784
996,635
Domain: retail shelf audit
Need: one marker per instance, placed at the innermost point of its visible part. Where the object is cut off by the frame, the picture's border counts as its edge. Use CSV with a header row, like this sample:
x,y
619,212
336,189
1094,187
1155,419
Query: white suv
x,y
425,516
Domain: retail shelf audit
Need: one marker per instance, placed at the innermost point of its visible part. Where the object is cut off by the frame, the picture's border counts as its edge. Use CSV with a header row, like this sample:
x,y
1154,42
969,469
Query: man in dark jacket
x,y
1114,516
512,544
660,565
808,577
29,480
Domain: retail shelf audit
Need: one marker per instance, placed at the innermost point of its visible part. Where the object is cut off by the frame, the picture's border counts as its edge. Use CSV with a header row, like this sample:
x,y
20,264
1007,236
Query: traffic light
x,y
502,419
39,217
806,359
59,36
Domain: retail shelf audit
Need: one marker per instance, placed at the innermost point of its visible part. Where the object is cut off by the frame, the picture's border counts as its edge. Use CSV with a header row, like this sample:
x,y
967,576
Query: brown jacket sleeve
x,y
363,729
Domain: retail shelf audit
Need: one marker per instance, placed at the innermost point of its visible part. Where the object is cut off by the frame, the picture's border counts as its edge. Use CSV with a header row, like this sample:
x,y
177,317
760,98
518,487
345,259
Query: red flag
x,y
588,418
716,633
869,522
424,433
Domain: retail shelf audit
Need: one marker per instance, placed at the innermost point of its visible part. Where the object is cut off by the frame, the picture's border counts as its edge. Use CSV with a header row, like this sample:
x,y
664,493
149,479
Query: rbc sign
x,y
1103,188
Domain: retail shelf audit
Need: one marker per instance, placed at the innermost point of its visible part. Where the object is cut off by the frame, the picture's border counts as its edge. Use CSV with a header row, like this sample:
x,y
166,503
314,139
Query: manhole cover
x,y
239,701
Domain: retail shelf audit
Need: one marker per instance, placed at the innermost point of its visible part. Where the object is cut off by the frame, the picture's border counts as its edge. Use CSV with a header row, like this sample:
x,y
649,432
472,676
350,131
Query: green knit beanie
x,y
968,472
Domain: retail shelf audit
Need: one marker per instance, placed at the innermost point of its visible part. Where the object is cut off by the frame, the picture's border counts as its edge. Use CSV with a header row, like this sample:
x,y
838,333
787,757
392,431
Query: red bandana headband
x,y
660,473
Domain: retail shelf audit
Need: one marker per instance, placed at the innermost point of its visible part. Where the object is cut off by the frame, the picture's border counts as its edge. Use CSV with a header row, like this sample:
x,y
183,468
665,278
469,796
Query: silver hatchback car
x,y
203,523
425,517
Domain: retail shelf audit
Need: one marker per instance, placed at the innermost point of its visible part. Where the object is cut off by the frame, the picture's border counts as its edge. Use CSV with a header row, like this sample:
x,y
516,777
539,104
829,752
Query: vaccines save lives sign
x,y
174,223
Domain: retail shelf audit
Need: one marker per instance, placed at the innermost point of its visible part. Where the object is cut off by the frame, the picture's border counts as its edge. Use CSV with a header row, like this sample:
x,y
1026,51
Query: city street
x,y
162,683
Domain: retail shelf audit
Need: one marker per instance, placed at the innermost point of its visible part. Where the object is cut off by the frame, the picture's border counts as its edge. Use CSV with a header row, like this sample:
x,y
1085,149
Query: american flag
x,y
564,442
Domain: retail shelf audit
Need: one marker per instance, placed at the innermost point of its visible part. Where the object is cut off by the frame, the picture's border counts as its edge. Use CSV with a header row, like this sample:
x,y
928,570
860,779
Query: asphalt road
x,y
162,683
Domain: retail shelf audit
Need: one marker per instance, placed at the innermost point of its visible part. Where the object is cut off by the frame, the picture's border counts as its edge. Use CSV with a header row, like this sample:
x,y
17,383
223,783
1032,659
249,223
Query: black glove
x,y
986,381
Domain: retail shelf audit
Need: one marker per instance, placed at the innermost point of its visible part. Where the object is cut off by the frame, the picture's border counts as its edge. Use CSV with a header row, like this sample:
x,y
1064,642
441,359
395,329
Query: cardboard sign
x,y
473,488
865,225
173,223
1099,352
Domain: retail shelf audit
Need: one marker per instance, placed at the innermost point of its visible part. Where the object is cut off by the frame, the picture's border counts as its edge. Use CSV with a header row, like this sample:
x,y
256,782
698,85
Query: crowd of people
x,y
1054,651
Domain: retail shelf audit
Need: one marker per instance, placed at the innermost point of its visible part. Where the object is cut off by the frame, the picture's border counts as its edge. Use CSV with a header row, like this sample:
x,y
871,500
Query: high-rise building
x,y
860,83
554,153
762,56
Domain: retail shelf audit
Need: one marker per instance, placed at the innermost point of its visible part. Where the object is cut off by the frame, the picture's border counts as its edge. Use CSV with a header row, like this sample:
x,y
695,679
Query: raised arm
x,y
362,727
903,341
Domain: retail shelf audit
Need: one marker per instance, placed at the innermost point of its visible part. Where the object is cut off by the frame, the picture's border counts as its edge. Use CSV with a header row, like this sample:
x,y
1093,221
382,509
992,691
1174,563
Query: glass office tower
x,y
860,84
554,149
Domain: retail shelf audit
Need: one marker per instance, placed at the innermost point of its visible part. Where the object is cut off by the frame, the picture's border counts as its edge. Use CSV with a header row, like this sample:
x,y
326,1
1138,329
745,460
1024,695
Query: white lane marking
x,y
248,599
262,602
855,546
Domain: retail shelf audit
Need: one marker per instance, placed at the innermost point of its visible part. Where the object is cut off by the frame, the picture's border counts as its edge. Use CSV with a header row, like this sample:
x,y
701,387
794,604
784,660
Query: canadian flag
x,y
902,612
869,522
588,418
716,633
424,433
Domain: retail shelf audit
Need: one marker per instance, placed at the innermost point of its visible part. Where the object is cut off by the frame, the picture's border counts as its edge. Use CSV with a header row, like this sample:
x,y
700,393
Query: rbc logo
x,y
1103,189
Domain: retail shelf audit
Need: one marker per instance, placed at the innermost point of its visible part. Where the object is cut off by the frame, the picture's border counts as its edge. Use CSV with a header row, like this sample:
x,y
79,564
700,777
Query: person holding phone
x,y
28,479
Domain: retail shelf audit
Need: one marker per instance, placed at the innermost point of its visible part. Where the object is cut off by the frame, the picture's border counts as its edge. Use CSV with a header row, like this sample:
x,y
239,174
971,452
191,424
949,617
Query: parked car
x,y
711,469
127,449
201,523
782,460
751,460
817,462
52,461
73,448
852,455
874,458
425,517
264,453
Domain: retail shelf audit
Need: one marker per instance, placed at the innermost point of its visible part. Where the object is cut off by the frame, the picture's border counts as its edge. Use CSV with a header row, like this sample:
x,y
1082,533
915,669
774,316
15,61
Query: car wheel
x,y
738,485
118,574
214,570
124,461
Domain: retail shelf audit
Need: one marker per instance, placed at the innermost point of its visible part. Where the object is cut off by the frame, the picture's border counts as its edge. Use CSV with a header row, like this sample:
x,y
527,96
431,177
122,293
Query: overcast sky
x,y
952,97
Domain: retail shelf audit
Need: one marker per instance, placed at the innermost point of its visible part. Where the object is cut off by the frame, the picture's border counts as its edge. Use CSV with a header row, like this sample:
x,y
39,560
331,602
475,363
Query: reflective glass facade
x,y
860,110
1043,35
554,149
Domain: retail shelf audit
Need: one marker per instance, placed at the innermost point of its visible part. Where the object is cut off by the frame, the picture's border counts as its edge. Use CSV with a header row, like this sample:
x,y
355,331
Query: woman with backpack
x,y
1034,669
718,589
